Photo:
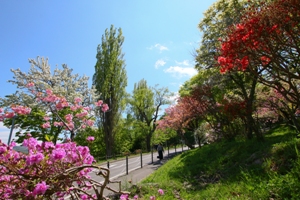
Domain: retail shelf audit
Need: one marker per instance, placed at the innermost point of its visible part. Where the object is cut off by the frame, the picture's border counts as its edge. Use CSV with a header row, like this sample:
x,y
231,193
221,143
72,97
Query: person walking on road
x,y
160,150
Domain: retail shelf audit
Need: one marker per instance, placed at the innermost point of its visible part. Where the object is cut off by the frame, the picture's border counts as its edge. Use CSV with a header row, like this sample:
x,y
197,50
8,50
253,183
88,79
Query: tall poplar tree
x,y
110,81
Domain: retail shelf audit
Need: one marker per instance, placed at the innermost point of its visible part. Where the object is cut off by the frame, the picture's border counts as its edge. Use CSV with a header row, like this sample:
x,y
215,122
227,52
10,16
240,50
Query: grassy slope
x,y
231,170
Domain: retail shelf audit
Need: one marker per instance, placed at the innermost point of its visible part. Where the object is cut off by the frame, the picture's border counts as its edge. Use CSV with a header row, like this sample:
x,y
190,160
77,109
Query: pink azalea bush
x,y
49,170
40,172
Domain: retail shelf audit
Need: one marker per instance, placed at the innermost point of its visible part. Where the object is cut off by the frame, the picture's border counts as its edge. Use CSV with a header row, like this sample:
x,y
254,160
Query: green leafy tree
x,y
145,104
97,147
110,80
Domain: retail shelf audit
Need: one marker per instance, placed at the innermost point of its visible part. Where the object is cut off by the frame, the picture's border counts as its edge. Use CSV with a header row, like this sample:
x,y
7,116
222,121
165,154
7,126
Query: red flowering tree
x,y
225,115
177,118
200,106
266,43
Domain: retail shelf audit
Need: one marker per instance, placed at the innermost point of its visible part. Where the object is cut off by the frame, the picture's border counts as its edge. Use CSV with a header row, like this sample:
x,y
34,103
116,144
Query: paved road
x,y
118,168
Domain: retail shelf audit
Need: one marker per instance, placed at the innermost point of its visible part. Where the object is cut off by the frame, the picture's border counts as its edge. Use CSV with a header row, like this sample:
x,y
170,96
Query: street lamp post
x,y
11,130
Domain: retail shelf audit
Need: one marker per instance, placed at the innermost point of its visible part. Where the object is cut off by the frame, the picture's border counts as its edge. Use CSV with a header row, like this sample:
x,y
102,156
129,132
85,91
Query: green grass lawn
x,y
238,169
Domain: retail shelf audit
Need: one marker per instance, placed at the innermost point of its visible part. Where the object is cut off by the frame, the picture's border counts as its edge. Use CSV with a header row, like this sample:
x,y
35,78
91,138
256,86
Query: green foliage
x,y
32,123
286,185
142,101
169,136
144,106
97,147
238,169
125,136
110,81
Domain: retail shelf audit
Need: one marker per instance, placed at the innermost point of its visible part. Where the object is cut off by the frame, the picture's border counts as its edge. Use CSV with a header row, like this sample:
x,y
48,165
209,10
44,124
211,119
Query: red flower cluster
x,y
249,42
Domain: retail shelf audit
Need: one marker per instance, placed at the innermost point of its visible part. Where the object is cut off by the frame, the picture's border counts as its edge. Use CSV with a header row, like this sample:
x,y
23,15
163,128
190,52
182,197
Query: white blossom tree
x,y
61,81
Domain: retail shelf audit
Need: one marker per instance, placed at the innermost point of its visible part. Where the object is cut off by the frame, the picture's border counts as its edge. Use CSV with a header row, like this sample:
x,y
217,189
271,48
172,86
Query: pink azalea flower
x,y
40,188
56,124
73,108
22,110
82,114
2,149
46,125
70,126
46,118
34,159
9,115
124,197
99,103
49,92
58,154
105,107
84,197
77,100
30,84
90,138
62,104
161,192
90,122
69,117
86,108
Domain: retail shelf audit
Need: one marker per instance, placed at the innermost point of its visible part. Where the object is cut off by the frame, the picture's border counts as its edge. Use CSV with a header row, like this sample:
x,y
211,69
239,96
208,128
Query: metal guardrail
x,y
128,156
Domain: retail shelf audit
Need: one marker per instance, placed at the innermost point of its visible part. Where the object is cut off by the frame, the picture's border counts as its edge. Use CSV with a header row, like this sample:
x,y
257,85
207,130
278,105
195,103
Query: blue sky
x,y
160,37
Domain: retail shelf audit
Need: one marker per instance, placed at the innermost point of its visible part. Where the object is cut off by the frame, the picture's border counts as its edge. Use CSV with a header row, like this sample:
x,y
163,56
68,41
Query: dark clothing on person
x,y
160,155
160,150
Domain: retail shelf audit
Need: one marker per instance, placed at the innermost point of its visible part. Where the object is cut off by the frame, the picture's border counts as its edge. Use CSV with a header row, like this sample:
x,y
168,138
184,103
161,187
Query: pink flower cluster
x,y
46,170
41,172
79,113
90,138
20,110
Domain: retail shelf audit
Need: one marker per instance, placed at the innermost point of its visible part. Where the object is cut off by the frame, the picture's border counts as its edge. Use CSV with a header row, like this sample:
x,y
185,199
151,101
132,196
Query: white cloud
x,y
174,98
159,47
159,63
185,63
180,72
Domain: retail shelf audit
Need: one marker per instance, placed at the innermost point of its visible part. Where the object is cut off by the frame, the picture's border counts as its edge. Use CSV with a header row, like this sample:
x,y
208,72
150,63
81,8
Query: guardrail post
x,y
127,164
141,159
152,154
